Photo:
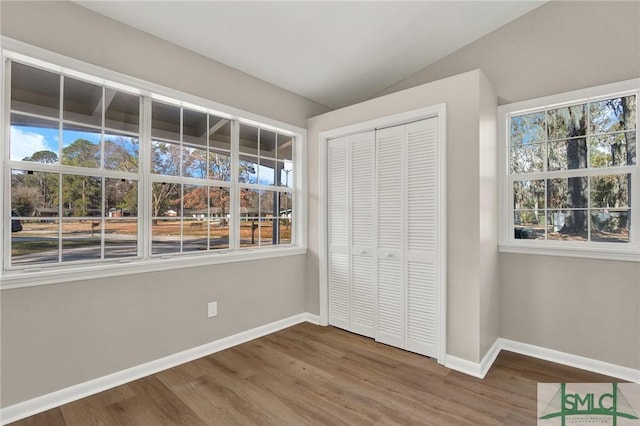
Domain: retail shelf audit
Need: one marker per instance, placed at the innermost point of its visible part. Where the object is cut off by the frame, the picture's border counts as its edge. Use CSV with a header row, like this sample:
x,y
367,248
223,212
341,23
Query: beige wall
x,y
589,308
489,280
561,46
59,335
461,94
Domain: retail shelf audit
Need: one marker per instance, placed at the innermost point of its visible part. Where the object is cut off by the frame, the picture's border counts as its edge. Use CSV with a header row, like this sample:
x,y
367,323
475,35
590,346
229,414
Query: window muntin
x,y
66,130
570,170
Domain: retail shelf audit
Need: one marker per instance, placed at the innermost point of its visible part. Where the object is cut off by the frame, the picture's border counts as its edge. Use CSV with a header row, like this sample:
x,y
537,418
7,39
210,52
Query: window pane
x,y
122,111
121,198
527,158
286,174
285,230
81,239
165,158
220,165
195,201
568,225
529,225
286,204
267,143
568,154
248,170
527,129
249,211
195,232
267,235
567,193
219,133
266,172
285,147
610,226
610,191
34,139
82,195
121,238
194,128
81,146
82,102
166,236
219,199
194,162
35,91
528,194
612,115
612,150
165,199
34,193
165,121
121,152
569,122
268,208
37,243
248,139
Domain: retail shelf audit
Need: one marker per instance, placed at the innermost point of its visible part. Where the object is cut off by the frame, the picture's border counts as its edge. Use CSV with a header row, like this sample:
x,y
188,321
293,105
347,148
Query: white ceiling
x,y
335,53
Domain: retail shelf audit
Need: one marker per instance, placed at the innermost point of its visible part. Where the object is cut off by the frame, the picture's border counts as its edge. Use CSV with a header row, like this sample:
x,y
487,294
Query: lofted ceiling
x,y
334,53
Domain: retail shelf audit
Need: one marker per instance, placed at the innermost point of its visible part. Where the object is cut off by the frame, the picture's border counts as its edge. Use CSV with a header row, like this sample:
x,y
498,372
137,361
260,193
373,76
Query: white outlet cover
x,y
212,309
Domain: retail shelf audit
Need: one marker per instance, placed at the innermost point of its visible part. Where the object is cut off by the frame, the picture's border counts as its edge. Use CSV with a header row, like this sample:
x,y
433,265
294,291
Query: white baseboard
x,y
475,369
600,367
480,369
42,403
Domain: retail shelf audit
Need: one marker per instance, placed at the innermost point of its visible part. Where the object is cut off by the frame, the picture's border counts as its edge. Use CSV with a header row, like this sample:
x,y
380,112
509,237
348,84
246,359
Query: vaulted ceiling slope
x,y
335,53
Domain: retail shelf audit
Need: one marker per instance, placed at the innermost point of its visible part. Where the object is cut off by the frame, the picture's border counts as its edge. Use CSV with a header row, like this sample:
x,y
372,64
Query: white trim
x,y
576,361
609,251
440,112
42,403
475,369
51,275
479,370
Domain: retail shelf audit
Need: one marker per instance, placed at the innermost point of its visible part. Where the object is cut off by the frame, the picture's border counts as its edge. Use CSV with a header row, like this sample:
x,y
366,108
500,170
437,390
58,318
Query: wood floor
x,y
311,375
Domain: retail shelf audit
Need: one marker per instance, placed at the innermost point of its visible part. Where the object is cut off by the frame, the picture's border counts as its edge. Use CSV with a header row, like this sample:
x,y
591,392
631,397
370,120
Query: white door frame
x,y
439,111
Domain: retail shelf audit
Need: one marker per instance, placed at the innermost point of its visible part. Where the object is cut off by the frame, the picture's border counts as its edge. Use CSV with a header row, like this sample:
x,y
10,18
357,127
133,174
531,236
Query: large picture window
x,y
97,172
570,177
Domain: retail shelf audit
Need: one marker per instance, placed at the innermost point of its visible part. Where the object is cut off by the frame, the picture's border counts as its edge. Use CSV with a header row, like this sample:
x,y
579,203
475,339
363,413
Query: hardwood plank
x,y
311,375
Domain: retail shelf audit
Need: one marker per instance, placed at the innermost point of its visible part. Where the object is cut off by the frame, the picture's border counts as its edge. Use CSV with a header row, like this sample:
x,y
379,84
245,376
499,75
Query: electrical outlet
x,y
212,309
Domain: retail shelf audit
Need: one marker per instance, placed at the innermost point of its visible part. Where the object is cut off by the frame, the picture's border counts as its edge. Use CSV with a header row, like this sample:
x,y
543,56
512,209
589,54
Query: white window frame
x,y
596,250
49,274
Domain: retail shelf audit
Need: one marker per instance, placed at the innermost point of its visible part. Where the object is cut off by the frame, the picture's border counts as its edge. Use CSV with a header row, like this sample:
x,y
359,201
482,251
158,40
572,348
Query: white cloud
x,y
25,143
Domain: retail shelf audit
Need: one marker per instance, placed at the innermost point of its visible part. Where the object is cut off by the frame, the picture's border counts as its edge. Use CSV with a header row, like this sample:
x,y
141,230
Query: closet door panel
x,y
421,249
339,273
391,288
363,274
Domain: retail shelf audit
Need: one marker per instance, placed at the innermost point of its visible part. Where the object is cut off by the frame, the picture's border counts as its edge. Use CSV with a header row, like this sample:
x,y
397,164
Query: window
x,y
74,150
570,175
99,172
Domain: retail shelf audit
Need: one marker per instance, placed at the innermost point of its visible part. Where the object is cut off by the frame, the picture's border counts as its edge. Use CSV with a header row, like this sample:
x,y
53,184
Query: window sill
x,y
628,255
57,275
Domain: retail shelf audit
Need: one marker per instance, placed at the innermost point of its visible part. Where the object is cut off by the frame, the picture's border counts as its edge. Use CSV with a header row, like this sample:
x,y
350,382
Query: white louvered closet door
x,y
422,186
362,218
338,233
390,164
